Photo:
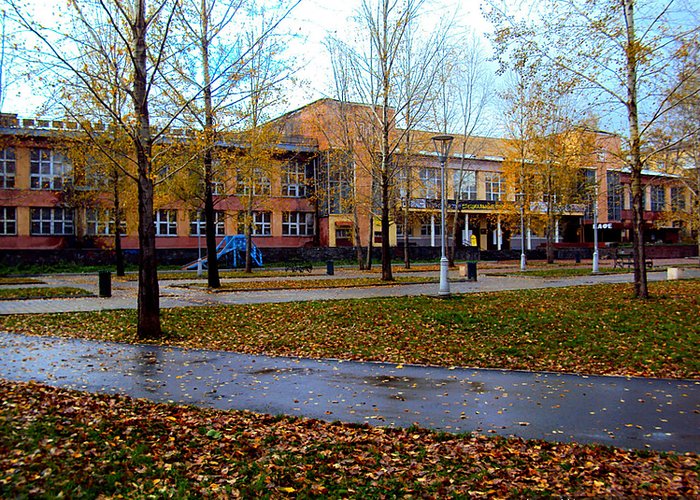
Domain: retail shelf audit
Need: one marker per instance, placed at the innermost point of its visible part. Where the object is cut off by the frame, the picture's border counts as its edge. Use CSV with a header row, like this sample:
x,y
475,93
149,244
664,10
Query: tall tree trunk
x,y
148,293
640,274
118,252
213,280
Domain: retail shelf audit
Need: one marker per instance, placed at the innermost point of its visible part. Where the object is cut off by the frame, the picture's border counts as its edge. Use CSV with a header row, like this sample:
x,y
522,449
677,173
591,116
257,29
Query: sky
x,y
311,21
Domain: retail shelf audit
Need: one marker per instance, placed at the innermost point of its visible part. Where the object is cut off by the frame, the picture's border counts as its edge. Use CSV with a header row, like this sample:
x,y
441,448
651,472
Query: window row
x,y
101,222
464,183
51,170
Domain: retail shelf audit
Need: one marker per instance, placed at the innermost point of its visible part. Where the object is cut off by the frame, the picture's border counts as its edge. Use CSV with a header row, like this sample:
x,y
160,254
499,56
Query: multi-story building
x,y
322,192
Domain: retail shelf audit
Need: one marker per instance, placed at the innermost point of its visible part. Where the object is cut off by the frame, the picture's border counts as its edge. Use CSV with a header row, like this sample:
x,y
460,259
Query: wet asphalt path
x,y
626,412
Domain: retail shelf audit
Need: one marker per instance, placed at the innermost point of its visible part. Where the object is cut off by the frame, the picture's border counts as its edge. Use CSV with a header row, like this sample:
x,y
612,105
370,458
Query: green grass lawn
x,y
60,292
594,329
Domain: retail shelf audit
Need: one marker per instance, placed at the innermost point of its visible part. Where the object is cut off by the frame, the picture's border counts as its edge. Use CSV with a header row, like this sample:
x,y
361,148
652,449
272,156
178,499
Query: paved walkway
x,y
124,293
627,412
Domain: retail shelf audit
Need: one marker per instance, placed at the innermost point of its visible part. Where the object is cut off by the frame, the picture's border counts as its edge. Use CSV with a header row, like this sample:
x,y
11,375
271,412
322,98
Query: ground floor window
x,y
8,220
51,221
166,222
100,222
260,224
198,223
297,224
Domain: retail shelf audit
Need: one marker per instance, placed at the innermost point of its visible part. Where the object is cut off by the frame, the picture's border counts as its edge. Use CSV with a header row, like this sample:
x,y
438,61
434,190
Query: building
x,y
320,192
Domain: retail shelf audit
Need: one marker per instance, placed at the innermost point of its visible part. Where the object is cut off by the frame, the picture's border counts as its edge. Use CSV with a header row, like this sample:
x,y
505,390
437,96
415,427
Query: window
x,y
7,168
297,224
429,183
465,184
658,198
52,221
426,228
614,196
100,222
588,187
260,225
166,222
494,186
294,180
47,169
677,199
198,223
8,220
259,181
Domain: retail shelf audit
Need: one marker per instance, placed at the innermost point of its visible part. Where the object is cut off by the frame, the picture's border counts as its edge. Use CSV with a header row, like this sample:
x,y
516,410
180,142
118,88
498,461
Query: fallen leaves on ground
x,y
598,329
309,284
58,292
59,442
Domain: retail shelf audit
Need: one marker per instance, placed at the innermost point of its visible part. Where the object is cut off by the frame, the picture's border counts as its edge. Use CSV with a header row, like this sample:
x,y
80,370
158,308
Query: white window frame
x,y
100,222
297,224
8,221
166,222
54,221
8,168
48,169
429,178
294,180
494,184
262,223
198,223
465,190
261,183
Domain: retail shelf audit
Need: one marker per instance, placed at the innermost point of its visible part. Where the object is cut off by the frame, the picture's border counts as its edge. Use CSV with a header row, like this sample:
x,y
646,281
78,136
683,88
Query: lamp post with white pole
x,y
595,231
523,259
442,148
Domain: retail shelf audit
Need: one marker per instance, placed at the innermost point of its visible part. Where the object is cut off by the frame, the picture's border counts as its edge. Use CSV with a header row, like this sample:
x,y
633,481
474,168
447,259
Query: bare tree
x,y
380,82
619,52
141,33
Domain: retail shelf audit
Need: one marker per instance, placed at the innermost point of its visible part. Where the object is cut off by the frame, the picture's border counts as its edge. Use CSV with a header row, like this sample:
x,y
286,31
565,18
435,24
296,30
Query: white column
x,y
529,235
556,231
432,230
499,233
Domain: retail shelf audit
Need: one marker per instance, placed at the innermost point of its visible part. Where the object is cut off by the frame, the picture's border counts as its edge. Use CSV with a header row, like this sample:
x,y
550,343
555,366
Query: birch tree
x,y
618,52
378,82
141,32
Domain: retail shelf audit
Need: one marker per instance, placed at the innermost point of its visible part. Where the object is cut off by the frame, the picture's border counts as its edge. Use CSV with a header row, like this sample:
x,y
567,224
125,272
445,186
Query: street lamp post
x,y
442,145
523,258
595,231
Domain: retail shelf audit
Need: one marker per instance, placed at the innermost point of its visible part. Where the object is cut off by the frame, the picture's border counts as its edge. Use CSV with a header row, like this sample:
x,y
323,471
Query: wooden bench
x,y
624,259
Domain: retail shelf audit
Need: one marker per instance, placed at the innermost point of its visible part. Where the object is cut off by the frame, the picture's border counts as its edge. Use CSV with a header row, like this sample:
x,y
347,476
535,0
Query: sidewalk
x,y
636,413
124,293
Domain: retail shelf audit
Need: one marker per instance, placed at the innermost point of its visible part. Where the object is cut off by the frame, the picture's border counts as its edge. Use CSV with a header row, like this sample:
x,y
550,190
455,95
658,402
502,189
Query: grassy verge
x,y
57,443
597,329
61,292
310,284
563,272
18,280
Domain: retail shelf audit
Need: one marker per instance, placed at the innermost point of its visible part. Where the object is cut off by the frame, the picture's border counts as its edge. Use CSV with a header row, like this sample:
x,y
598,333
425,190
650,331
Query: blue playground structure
x,y
232,249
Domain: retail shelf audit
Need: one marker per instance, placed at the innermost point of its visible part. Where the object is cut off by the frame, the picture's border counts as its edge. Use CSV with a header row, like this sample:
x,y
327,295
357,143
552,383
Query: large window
x,y
260,225
7,168
257,180
297,224
677,199
429,183
51,221
465,184
198,223
294,180
614,196
100,222
494,186
427,228
8,221
48,169
658,198
166,222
